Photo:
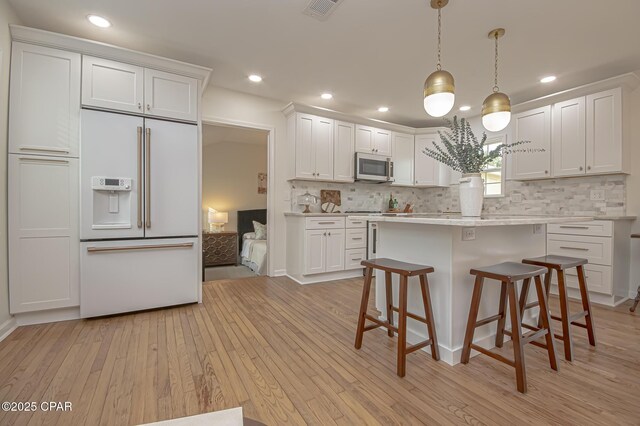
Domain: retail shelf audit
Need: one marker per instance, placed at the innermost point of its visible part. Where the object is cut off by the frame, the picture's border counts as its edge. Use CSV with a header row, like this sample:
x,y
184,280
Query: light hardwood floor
x,y
285,353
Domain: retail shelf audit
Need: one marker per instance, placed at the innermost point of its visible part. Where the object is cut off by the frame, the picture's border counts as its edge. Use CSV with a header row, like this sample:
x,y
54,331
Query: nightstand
x,y
219,248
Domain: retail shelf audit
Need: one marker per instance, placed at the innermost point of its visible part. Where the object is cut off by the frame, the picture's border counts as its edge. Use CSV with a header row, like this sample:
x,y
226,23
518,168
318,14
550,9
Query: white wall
x,y
248,110
7,16
230,178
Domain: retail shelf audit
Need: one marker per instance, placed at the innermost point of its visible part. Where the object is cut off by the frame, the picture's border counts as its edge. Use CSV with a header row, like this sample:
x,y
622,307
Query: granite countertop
x,y
457,216
457,220
318,214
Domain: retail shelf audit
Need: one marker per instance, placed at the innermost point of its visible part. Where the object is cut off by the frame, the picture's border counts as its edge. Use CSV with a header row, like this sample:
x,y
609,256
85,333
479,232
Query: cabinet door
x,y
604,132
568,137
343,151
315,250
425,169
322,135
43,233
305,156
403,156
112,85
170,95
534,126
335,247
382,142
171,190
44,101
364,139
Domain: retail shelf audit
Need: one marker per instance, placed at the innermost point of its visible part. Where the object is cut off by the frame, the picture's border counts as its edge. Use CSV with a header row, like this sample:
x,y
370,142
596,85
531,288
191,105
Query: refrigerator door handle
x,y
148,178
143,247
140,185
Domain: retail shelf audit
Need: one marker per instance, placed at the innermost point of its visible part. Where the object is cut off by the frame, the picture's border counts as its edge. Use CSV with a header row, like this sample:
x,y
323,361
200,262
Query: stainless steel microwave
x,y
373,168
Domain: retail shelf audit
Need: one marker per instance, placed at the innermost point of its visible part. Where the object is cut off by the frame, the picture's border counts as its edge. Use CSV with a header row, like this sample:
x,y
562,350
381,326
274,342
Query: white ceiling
x,y
369,52
219,134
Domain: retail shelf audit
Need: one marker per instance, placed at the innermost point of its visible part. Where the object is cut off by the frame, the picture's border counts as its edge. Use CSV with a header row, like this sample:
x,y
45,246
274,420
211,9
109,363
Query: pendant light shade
x,y
439,88
496,108
439,94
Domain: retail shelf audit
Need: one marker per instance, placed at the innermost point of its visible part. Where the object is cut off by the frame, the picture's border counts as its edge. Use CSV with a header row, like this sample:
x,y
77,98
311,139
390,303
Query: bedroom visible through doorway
x,y
234,200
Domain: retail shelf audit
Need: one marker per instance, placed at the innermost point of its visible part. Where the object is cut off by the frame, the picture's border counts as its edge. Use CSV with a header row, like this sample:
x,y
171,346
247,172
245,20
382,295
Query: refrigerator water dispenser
x,y
111,202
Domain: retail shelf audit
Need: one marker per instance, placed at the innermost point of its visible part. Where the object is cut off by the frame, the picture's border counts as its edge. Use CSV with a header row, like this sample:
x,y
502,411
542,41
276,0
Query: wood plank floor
x,y
285,353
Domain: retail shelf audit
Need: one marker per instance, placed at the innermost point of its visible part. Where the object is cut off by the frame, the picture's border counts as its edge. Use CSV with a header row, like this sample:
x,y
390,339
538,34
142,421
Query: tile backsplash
x,y
567,196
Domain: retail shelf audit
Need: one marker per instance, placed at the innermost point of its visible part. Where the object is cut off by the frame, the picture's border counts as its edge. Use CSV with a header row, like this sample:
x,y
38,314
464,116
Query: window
x,y
493,173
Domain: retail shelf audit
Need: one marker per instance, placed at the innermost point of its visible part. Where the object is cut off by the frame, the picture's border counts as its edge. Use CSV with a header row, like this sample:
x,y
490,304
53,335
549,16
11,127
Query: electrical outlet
x,y
538,229
468,234
516,198
597,195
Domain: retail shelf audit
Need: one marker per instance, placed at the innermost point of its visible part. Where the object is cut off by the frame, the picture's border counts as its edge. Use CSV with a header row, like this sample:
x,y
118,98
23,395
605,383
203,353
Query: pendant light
x,y
439,88
496,109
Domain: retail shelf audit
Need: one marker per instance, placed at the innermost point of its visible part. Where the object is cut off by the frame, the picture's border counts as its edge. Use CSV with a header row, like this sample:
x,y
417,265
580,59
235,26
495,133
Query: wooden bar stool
x,y
405,270
509,273
559,264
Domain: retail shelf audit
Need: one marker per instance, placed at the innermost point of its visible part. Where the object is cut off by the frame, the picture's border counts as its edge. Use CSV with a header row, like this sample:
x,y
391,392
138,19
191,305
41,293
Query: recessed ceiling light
x,y
99,21
383,109
548,79
465,108
255,78
326,96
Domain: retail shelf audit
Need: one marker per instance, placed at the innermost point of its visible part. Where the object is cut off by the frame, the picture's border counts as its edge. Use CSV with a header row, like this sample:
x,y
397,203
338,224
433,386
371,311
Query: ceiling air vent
x,y
321,9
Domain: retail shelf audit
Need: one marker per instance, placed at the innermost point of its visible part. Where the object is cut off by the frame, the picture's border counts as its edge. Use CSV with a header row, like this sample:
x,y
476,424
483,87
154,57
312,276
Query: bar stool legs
x,y
402,327
389,300
428,311
516,337
363,307
586,305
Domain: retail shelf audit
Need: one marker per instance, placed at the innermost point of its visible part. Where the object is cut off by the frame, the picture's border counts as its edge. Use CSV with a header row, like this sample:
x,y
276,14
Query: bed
x,y
253,251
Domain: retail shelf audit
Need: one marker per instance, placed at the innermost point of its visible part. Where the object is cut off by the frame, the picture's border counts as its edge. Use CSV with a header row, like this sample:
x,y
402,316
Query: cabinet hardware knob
x,y
546,172
329,233
325,234
148,107
139,105
581,168
588,167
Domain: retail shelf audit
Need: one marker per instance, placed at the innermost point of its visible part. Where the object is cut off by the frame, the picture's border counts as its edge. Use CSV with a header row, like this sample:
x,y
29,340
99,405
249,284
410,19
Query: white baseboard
x,y
43,317
7,328
325,277
280,273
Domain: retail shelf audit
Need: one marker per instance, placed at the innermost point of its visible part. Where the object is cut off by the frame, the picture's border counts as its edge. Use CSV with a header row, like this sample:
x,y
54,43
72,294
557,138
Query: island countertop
x,y
458,220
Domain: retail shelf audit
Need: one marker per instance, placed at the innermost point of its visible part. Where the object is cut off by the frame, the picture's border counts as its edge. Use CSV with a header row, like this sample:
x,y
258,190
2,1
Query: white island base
x,y
442,246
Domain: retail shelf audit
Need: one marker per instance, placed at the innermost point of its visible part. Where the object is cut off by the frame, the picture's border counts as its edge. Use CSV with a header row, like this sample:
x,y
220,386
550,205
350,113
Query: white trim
x,y
326,277
279,272
7,328
44,317
271,168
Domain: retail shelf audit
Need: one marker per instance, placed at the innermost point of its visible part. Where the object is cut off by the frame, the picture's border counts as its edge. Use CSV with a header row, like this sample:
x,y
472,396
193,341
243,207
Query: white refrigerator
x,y
139,206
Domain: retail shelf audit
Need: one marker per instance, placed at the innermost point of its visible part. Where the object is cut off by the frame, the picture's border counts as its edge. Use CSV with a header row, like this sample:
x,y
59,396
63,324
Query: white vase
x,y
471,195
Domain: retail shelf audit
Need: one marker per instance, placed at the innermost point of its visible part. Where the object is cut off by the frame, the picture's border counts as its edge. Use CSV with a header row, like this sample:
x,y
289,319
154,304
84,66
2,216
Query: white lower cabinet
x,y
43,233
335,247
324,250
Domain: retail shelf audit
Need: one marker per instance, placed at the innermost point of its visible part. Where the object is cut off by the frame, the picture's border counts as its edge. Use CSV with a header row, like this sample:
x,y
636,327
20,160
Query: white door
x,y
335,247
43,233
44,101
172,185
170,95
382,142
364,139
305,155
403,155
604,132
110,144
425,168
315,243
568,137
112,85
323,147
127,276
534,126
343,151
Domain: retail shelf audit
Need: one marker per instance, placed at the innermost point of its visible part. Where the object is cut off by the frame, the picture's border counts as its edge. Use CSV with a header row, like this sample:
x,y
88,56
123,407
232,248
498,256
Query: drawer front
x,y
356,223
599,279
595,228
325,223
597,250
356,238
353,257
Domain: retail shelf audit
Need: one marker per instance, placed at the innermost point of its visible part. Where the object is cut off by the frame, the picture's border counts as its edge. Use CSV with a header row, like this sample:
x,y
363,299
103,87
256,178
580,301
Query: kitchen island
x,y
453,245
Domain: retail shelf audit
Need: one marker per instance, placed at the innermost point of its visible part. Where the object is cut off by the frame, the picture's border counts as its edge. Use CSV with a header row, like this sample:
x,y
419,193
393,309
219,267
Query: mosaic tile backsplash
x,y
567,196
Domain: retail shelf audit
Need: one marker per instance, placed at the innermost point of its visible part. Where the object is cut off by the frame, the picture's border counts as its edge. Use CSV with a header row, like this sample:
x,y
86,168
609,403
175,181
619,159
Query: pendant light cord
x,y
439,67
495,81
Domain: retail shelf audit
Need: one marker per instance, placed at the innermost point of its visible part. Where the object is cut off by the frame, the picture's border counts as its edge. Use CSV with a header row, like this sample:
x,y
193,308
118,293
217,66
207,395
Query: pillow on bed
x,y
249,236
260,230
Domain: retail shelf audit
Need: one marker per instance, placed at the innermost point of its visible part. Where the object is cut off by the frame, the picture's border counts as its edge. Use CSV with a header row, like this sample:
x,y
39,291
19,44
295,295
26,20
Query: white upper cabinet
x,y
343,151
322,137
44,101
569,137
604,132
425,168
403,156
314,147
112,85
382,142
170,95
533,126
371,140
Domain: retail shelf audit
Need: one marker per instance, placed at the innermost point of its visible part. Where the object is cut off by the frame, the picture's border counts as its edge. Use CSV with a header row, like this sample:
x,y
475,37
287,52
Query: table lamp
x,y
217,220
306,199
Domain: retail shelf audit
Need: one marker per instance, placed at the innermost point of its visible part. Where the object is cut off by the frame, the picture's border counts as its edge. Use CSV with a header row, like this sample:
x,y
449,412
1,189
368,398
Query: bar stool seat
x,y
560,264
509,273
405,270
